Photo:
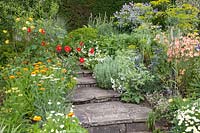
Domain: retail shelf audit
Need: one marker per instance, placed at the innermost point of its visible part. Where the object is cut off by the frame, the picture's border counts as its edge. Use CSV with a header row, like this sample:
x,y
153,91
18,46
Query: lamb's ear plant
x,y
104,71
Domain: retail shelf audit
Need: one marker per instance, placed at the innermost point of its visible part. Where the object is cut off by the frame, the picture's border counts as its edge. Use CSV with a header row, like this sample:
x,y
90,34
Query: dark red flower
x,y
81,43
58,48
29,30
67,49
78,49
91,51
82,60
43,43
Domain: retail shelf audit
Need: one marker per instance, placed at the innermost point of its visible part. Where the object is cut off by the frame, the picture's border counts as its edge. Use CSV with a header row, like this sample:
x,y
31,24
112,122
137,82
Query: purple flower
x,y
155,10
197,47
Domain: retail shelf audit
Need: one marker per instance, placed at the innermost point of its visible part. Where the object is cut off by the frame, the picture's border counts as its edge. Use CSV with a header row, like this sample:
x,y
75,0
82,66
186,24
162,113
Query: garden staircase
x,y
100,110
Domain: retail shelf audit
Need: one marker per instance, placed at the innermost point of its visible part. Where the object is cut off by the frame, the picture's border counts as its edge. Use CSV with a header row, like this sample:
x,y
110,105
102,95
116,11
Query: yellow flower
x,y
40,30
32,27
17,19
43,71
18,73
36,68
30,19
59,64
64,70
71,114
5,31
170,100
12,77
37,118
39,63
24,28
42,89
33,73
25,69
7,42
39,84
37,71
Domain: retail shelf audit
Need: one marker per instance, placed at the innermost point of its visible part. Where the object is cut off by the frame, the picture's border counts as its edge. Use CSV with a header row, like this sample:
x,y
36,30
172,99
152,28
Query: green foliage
x,y
123,75
161,5
83,34
103,24
132,77
184,17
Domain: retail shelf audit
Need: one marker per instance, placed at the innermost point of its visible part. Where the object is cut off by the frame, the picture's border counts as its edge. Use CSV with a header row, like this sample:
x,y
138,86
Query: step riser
x,y
120,128
96,101
86,85
85,75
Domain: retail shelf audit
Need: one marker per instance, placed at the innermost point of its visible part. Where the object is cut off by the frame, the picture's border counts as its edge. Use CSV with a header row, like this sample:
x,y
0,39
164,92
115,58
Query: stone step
x,y
86,82
85,73
112,117
83,95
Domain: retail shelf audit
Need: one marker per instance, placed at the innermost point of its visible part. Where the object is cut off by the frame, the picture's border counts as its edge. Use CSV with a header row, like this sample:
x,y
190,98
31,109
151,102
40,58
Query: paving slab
x,y
84,95
109,113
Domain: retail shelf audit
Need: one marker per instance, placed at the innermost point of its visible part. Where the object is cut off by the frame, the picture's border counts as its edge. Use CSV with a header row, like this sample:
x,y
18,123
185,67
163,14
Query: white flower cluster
x,y
189,118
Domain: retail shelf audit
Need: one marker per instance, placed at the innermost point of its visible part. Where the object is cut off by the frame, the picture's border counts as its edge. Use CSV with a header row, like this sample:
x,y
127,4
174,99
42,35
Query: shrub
x,y
184,17
132,15
105,70
124,74
83,34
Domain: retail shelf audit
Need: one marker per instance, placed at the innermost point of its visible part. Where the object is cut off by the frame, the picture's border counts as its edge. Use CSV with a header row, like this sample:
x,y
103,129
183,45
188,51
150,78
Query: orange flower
x,y
71,114
12,77
37,118
62,78
42,31
49,60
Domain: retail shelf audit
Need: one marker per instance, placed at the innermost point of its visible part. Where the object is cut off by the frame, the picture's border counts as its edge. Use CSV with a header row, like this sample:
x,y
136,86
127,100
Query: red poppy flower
x,y
91,51
82,60
78,49
43,43
81,43
58,48
67,49
29,30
